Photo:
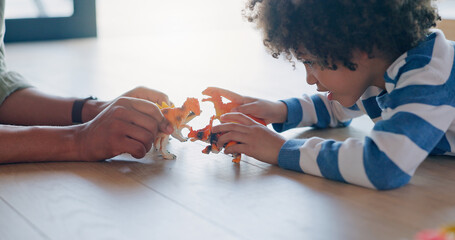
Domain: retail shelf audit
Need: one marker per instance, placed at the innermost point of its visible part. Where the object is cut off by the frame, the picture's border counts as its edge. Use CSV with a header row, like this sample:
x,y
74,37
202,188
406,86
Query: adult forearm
x,y
38,143
31,107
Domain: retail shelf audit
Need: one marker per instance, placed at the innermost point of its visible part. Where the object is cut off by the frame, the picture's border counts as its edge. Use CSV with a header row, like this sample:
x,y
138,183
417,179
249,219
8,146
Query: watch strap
x,y
76,113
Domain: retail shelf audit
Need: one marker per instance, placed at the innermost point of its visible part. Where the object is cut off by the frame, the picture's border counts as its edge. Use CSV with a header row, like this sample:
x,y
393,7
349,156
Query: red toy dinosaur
x,y
205,134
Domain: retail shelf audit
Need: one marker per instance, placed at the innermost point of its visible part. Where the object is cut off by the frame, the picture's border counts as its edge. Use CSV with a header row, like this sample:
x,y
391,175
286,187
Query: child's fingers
x,y
247,108
231,136
237,118
229,127
237,148
225,93
244,108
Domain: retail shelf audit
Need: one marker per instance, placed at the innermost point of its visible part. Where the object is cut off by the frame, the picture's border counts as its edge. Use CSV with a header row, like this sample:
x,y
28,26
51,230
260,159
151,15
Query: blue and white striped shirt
x,y
414,117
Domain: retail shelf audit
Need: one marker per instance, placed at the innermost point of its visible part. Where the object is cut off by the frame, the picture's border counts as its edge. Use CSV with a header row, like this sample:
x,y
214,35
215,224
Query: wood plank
x,y
80,201
22,229
250,197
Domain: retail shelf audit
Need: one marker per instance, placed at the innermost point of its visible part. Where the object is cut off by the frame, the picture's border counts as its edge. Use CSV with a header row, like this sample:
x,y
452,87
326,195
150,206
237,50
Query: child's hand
x,y
127,125
269,111
254,139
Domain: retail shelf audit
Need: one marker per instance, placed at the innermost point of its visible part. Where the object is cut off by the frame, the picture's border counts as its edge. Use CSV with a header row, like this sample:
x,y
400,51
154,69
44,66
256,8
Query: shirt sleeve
x,y
415,121
316,111
9,81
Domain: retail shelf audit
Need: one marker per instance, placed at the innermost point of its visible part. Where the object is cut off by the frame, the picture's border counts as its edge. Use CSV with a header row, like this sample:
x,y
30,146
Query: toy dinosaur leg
x,y
164,152
215,149
207,149
157,143
178,135
237,157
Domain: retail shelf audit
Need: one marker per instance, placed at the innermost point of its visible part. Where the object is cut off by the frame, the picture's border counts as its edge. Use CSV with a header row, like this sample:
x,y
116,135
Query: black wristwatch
x,y
76,113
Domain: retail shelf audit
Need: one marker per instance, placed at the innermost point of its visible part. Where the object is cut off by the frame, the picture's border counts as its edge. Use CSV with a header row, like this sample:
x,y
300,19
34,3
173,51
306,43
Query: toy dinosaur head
x,y
191,105
179,116
212,92
216,97
202,134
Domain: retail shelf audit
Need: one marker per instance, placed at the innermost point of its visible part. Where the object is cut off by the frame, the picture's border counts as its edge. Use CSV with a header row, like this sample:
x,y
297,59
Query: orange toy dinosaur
x,y
205,134
178,117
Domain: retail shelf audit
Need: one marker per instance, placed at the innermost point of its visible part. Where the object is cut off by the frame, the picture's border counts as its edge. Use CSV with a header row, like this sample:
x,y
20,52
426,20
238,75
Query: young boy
x,y
365,56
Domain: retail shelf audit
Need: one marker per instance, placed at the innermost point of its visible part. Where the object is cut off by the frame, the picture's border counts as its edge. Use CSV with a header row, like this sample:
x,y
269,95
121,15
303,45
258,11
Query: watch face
x,y
91,98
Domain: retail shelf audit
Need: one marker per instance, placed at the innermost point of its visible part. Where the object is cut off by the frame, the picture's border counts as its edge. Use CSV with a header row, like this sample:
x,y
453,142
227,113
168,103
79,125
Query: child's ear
x,y
360,56
365,56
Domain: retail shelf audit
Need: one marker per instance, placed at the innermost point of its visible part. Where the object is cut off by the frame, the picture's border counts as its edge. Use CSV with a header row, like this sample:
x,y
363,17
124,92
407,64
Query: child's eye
x,y
308,63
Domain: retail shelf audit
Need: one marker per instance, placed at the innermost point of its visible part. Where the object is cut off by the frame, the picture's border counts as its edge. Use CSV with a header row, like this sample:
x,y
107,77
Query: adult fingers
x,y
141,135
157,96
133,147
148,94
151,110
122,129
135,117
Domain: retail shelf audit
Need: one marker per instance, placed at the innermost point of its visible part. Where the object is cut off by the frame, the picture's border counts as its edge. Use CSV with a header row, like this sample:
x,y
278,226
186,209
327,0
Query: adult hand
x,y
148,94
255,140
93,108
127,125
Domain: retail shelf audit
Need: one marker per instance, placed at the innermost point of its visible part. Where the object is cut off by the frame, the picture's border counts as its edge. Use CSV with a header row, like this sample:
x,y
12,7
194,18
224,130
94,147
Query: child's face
x,y
344,85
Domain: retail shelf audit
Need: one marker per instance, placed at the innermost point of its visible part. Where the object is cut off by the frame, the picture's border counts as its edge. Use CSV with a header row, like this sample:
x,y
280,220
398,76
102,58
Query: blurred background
x,y
168,45
107,47
39,8
144,14
179,47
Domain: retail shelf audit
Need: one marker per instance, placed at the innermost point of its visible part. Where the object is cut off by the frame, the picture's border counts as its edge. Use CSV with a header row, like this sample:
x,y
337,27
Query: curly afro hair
x,y
330,30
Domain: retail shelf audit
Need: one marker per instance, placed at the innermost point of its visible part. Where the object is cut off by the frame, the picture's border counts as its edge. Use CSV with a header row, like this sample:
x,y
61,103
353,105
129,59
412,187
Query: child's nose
x,y
310,79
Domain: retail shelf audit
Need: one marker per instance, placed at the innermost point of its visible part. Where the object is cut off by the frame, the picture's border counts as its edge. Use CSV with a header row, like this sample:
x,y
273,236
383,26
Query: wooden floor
x,y
197,196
